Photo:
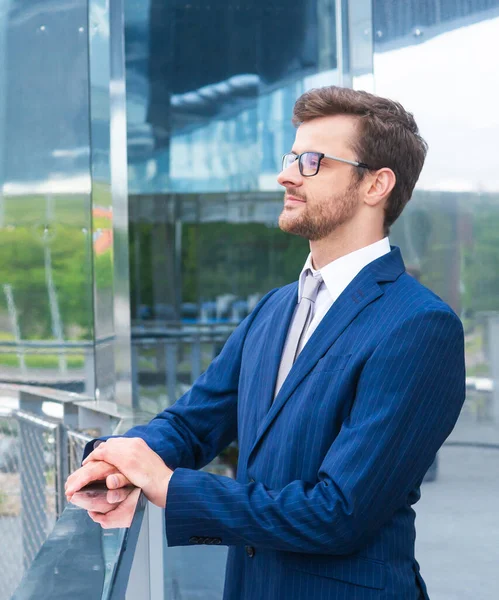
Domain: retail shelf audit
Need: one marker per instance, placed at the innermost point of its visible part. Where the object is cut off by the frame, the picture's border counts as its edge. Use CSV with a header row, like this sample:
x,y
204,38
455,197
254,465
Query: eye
x,y
311,160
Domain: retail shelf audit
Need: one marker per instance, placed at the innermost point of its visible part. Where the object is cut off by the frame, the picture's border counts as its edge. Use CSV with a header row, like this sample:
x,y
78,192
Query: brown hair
x,y
388,137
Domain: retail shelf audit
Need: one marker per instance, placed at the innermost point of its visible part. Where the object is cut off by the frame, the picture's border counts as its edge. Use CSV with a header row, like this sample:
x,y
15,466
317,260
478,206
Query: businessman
x,y
339,387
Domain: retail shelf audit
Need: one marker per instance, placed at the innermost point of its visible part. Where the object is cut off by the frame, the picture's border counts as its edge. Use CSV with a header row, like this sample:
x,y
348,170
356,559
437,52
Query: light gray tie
x,y
299,326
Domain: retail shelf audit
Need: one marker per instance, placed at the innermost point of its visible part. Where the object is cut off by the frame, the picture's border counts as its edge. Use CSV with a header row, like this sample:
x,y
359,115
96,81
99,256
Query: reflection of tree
x,y
23,267
238,258
481,261
222,258
454,241
427,233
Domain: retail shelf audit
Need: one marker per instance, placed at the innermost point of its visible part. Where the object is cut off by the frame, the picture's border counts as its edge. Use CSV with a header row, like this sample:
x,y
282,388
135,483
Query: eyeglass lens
x,y
309,162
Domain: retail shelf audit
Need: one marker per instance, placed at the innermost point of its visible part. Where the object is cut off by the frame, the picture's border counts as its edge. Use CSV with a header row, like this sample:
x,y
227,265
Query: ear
x,y
381,183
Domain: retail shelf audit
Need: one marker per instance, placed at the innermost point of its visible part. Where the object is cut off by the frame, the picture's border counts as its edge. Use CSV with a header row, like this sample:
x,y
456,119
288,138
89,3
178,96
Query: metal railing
x,y
36,455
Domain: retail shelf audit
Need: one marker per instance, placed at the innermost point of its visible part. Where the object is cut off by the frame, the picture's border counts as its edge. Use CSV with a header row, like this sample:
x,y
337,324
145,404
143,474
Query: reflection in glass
x,y
109,508
46,322
210,92
83,559
204,151
439,60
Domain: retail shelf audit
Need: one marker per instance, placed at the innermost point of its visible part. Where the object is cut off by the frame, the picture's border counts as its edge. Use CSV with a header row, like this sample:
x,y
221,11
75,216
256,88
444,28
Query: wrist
x,y
162,491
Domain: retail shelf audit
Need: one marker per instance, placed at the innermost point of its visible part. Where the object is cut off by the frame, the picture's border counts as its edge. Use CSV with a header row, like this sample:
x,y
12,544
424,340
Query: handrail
x,y
80,559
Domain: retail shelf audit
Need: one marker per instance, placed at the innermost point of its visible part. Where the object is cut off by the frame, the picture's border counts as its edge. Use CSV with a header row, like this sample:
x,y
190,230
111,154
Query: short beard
x,y
316,222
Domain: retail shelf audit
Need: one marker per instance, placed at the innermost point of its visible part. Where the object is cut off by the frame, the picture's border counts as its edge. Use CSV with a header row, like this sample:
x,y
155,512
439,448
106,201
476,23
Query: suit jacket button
x,y
217,540
193,540
250,551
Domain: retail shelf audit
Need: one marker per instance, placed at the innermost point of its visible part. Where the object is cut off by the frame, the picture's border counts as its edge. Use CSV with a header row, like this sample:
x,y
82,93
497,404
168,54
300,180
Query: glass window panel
x,y
210,93
439,60
46,305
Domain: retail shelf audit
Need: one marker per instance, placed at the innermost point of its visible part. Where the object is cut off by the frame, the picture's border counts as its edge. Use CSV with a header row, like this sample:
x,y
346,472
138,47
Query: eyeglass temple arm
x,y
348,162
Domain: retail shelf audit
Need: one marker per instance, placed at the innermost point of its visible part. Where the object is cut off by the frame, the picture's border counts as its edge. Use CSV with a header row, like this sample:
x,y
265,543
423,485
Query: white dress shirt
x,y
336,277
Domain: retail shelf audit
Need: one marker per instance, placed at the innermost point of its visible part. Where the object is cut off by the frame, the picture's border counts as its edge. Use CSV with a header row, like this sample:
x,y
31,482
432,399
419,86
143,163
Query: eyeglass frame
x,y
321,155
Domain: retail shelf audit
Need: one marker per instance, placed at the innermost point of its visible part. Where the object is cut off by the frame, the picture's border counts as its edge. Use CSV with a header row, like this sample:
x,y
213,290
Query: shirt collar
x,y
340,272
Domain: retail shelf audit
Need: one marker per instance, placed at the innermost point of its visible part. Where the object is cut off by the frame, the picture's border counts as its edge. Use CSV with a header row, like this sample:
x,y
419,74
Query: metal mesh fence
x,y
10,508
76,445
35,457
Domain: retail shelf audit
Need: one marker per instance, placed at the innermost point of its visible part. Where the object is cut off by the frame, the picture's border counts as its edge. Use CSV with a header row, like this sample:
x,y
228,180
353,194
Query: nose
x,y
291,176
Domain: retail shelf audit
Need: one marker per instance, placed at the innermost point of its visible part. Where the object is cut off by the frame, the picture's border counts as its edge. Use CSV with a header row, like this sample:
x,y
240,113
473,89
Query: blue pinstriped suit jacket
x,y
329,470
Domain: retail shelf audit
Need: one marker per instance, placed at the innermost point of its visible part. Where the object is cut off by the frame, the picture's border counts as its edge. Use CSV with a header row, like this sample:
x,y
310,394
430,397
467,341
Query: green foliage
x,y
239,259
452,238
41,361
23,251
481,261
219,258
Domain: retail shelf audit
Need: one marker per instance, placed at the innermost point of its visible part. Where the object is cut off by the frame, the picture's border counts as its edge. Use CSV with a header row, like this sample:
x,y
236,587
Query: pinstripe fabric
x,y
329,471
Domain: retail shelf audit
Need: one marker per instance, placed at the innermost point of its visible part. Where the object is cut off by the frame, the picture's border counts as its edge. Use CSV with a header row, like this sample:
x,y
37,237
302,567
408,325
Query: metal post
x,y
354,43
61,467
135,375
171,371
196,365
89,372
493,331
342,44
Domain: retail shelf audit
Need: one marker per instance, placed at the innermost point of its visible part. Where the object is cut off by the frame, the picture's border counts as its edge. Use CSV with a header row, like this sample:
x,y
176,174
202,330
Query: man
x,y
339,402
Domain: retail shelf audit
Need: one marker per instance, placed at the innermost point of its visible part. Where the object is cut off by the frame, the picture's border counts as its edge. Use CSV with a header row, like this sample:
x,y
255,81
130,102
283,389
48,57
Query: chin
x,y
288,226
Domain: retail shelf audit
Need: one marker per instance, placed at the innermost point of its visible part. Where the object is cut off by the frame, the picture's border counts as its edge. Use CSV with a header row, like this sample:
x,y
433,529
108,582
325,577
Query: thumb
x,y
116,480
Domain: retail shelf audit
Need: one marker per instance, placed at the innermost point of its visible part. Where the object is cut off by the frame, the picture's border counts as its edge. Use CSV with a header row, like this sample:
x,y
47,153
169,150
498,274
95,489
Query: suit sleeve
x,y
409,396
204,420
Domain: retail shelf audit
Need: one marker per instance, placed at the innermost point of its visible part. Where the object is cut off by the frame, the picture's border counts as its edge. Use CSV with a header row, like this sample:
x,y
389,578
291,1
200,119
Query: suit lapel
x,y
363,290
275,347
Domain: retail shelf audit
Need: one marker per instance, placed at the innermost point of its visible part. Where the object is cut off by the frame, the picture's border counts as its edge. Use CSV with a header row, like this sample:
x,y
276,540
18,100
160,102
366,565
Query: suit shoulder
x,y
414,297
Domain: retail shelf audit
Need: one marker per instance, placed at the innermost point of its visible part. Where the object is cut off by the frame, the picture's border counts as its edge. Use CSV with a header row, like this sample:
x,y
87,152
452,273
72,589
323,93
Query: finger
x,y
98,504
122,516
116,496
95,471
105,521
93,456
95,516
116,480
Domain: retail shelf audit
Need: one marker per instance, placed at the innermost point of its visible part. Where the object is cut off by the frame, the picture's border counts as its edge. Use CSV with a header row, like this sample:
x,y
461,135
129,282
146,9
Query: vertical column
x,y
354,43
119,189
326,33
109,202
342,43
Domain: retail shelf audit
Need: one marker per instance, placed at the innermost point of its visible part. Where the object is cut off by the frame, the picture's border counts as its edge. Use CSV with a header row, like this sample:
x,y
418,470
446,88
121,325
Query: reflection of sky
x,y
241,153
44,137
451,84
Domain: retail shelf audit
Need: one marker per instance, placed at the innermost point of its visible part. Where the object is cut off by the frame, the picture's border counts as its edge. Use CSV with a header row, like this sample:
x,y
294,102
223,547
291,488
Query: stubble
x,y
317,220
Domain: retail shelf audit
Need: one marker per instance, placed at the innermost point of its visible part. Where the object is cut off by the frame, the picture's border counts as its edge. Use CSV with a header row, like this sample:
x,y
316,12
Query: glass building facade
x,y
139,148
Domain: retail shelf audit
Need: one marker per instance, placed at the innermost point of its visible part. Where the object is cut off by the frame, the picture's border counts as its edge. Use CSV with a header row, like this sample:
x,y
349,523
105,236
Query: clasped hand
x,y
113,509
121,462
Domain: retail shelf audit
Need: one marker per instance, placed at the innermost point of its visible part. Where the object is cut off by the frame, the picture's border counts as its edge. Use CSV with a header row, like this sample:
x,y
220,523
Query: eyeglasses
x,y
309,162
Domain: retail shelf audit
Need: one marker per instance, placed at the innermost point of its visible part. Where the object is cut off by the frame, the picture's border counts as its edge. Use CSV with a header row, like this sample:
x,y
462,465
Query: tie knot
x,y
311,286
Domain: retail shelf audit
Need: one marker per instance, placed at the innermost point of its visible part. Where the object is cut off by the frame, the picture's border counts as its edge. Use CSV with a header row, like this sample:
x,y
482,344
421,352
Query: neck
x,y
340,244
